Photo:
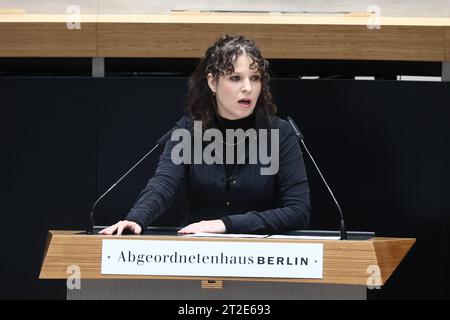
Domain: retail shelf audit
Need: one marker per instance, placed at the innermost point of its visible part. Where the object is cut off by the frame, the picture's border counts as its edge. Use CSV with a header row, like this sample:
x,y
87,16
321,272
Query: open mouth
x,y
245,102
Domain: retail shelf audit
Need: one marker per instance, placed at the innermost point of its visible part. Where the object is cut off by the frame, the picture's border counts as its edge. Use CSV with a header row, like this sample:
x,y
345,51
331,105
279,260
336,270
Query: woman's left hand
x,y
211,226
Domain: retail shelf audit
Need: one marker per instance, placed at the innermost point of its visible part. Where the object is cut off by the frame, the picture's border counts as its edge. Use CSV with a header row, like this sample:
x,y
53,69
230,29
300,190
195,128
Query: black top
x,y
223,124
252,203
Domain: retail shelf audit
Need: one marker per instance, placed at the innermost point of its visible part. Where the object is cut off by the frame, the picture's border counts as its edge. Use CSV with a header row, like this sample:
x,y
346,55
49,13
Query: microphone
x,y
160,142
342,230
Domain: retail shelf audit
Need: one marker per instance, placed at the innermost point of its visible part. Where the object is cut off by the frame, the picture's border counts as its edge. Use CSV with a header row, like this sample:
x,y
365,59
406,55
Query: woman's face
x,y
238,92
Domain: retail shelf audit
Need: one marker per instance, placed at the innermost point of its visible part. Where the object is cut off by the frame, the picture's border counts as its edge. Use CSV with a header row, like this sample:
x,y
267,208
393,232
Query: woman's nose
x,y
246,86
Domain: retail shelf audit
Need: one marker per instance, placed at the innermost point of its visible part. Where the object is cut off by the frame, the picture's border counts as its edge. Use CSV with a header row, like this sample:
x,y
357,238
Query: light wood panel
x,y
345,262
187,35
47,39
447,43
276,41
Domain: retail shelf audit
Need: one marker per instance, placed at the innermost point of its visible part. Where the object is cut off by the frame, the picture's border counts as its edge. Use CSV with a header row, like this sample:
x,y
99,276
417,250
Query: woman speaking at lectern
x,y
229,90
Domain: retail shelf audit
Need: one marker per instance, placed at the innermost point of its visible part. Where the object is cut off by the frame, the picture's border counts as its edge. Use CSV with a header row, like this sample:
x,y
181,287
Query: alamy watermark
x,y
257,142
374,21
374,281
73,17
74,278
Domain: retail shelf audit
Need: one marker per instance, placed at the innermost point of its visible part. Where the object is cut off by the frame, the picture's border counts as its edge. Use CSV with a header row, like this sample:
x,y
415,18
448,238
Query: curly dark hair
x,y
218,60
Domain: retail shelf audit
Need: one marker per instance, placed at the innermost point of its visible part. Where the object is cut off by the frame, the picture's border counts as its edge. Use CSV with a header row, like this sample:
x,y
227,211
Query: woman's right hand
x,y
121,226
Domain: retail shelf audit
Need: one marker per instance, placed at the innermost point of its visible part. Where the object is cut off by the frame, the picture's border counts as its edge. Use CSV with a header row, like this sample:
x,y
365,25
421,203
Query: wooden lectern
x,y
349,267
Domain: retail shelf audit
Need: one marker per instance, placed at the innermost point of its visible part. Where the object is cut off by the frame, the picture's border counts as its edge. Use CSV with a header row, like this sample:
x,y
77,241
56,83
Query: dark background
x,y
383,146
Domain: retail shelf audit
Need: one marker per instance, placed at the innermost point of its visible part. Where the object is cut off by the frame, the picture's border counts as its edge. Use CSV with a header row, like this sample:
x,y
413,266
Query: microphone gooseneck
x,y
161,141
342,228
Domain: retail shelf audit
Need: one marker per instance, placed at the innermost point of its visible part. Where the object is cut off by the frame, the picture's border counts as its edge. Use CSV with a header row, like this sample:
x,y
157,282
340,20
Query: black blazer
x,y
252,203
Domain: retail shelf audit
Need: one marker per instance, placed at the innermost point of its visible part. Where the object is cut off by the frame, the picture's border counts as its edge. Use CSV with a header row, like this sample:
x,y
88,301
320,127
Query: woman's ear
x,y
212,83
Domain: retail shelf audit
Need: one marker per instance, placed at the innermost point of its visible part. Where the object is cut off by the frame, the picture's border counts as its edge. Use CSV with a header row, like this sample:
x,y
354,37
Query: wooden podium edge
x,y
47,245
345,262
390,255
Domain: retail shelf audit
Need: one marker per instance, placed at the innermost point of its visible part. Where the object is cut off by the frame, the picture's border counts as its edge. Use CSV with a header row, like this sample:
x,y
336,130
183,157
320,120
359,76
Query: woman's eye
x,y
238,78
